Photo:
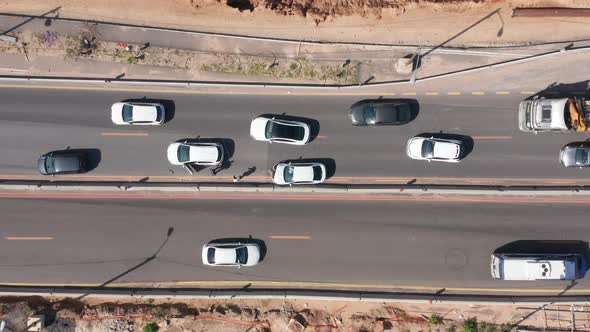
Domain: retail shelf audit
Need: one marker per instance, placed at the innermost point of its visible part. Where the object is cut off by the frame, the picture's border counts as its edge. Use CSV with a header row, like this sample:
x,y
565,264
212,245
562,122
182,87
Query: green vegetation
x,y
435,319
469,325
451,329
151,327
486,327
299,68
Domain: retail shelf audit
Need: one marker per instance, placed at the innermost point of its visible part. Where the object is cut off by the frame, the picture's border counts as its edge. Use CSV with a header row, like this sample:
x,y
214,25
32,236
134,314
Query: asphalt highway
x,y
35,121
389,244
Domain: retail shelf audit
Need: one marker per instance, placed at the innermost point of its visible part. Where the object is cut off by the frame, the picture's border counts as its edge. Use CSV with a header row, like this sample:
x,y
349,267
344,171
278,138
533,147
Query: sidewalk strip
x,y
290,237
28,238
124,134
491,137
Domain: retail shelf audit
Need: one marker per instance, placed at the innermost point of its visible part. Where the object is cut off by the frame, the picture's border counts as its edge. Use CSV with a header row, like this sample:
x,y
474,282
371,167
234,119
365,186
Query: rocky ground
x,y
175,315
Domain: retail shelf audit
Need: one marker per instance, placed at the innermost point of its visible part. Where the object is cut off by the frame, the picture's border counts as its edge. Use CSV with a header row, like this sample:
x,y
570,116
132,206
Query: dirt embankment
x,y
322,9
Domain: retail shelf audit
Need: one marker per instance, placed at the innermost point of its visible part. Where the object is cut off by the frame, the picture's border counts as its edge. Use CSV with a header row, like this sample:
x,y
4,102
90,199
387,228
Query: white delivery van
x,y
538,267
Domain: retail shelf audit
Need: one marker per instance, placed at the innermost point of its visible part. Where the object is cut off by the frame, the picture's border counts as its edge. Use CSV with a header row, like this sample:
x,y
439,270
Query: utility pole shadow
x,y
29,20
147,260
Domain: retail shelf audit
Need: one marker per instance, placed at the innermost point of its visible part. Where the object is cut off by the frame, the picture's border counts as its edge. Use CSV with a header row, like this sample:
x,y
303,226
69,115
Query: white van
x,y
537,267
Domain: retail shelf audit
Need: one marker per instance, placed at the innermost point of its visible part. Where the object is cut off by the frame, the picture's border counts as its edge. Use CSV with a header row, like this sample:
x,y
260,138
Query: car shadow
x,y
92,157
314,125
229,148
468,141
547,247
414,105
561,90
249,239
169,106
329,163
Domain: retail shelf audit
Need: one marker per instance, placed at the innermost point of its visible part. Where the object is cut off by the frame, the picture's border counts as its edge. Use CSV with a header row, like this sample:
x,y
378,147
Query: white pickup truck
x,y
557,115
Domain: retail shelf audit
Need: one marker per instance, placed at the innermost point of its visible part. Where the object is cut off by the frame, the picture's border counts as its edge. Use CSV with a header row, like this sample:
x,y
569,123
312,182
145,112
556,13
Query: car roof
x,y
66,163
144,112
302,173
225,255
530,268
446,150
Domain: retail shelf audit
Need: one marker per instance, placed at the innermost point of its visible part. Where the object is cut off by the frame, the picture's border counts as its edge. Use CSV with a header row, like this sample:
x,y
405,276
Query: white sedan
x,y
438,149
231,254
207,154
137,113
298,173
279,131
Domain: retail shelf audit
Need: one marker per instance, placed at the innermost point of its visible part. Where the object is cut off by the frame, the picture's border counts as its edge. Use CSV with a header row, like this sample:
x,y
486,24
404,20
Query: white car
x,y
438,149
182,153
137,113
231,254
279,131
298,173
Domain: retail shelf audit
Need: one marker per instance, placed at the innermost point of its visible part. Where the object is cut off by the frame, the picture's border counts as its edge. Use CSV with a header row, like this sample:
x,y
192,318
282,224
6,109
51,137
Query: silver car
x,y
576,154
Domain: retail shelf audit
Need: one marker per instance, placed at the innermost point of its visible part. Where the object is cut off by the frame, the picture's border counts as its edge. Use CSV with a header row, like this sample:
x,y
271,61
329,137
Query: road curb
x,y
263,187
287,294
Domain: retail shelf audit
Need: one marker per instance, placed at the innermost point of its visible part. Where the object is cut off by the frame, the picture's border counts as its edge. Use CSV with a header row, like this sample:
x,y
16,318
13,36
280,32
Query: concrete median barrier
x,y
263,187
288,294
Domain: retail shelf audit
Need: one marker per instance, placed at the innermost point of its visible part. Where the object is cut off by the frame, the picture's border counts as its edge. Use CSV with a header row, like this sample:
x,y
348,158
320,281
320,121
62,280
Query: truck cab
x,y
557,115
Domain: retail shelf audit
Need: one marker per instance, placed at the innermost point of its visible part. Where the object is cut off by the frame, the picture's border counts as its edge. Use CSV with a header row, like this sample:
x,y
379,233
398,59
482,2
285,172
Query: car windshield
x,y
211,255
183,153
317,173
581,157
427,149
49,165
241,255
127,113
277,130
371,114
288,173
159,114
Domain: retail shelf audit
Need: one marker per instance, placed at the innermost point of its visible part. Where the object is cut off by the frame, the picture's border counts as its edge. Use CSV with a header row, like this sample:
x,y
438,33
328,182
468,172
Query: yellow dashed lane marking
x,y
502,92
492,137
432,93
454,93
290,237
28,238
527,92
124,134
409,93
478,93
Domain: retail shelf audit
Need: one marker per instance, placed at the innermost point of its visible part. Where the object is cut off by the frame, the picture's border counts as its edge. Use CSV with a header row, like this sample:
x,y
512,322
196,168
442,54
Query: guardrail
x,y
287,294
61,185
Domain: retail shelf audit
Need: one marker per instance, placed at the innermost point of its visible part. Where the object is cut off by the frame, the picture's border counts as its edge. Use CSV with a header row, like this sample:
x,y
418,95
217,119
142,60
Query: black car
x,y
62,162
382,112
